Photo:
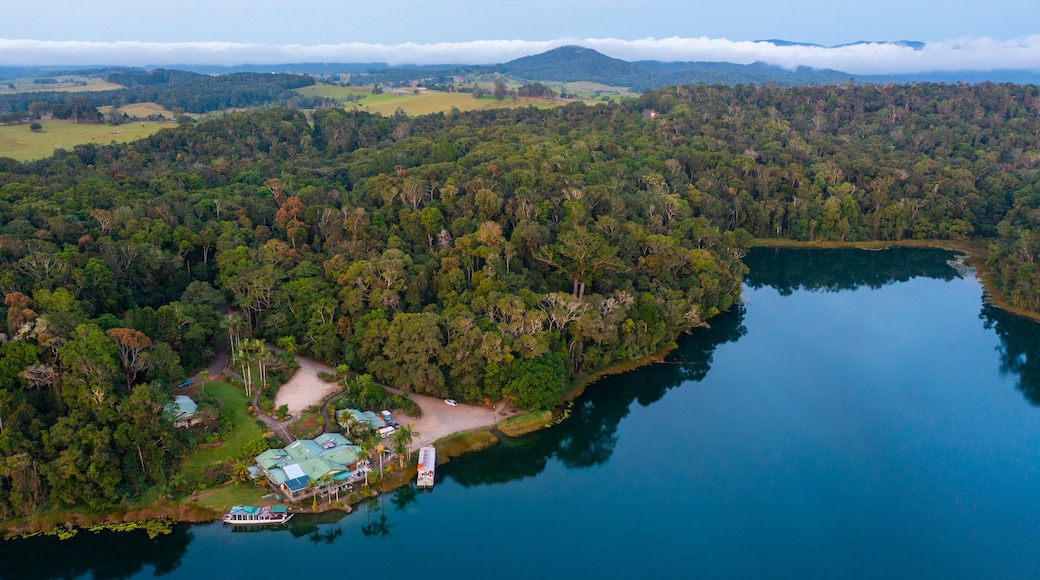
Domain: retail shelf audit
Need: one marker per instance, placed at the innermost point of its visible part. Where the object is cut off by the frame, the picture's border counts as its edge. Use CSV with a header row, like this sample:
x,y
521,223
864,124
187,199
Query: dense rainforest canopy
x,y
474,255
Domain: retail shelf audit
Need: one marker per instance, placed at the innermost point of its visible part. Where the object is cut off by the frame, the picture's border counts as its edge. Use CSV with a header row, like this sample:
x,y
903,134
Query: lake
x,y
862,415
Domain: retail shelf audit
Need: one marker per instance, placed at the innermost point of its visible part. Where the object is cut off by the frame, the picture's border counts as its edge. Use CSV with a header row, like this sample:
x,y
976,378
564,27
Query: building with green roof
x,y
328,463
184,412
361,418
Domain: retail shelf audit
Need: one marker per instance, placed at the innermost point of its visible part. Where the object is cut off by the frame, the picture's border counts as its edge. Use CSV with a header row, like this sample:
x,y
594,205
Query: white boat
x,y
242,515
427,466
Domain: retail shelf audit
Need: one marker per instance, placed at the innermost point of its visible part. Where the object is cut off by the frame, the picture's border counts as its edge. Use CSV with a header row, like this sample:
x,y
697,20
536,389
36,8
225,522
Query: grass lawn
x,y
235,404
223,497
21,143
523,424
460,443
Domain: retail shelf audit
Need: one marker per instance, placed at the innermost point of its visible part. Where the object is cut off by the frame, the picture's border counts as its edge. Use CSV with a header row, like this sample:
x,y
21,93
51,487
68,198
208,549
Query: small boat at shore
x,y
247,515
427,466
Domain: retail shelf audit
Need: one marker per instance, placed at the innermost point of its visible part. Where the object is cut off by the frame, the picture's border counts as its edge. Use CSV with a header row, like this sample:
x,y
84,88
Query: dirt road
x,y
305,389
438,419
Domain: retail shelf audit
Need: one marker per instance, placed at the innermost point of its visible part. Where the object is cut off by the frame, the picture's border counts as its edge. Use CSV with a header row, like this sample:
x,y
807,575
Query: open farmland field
x,y
141,110
426,103
334,92
19,142
586,86
70,84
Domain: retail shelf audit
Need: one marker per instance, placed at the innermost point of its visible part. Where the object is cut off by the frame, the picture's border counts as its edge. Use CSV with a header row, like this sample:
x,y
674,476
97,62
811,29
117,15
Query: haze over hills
x,y
573,63
576,63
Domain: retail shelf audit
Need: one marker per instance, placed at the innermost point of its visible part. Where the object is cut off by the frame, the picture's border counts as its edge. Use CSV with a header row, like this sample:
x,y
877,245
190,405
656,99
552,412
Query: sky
x,y
960,34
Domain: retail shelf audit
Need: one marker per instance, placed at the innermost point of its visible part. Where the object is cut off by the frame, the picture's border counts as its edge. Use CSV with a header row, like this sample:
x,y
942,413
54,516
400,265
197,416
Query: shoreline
x,y
975,250
471,440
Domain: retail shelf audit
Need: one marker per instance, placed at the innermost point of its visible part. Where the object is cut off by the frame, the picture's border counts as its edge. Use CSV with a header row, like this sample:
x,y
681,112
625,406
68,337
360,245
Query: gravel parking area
x,y
438,419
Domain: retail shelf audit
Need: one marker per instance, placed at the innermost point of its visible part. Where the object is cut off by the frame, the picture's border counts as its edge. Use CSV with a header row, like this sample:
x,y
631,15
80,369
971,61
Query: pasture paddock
x,y
21,143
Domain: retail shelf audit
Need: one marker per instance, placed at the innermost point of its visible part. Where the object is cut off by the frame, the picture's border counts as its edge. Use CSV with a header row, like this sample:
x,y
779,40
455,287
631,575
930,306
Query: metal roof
x,y
293,471
328,454
298,483
182,407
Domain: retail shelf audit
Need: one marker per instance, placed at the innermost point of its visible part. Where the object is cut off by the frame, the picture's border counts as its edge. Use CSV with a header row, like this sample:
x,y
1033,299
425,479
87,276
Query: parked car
x,y
186,383
452,402
394,424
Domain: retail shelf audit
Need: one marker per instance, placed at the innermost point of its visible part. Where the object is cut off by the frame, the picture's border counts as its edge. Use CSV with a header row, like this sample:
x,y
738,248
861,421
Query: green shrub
x,y
255,447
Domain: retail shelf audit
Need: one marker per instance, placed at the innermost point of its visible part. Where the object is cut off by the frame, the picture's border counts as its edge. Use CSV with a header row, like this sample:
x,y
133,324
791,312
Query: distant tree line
x,y
178,90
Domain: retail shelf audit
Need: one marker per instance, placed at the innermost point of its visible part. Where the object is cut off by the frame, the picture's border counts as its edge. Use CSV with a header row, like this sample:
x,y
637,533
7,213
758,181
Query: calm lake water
x,y
863,415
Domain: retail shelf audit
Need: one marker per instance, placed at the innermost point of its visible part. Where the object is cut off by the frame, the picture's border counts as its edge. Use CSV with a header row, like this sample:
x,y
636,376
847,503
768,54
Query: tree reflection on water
x,y
816,270
1019,348
589,435
90,554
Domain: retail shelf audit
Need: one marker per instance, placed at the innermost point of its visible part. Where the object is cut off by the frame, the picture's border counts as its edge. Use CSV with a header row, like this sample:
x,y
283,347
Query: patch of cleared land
x,y
438,419
422,104
305,389
66,84
591,87
334,92
141,110
21,143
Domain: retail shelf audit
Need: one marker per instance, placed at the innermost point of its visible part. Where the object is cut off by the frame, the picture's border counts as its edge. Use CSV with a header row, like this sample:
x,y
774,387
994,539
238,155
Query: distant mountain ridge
x,y
577,63
574,63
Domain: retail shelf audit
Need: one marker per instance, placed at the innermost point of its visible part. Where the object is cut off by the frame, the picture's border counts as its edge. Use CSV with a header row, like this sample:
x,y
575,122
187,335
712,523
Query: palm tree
x,y
364,440
252,350
380,448
240,354
332,425
263,355
364,455
288,344
203,375
236,326
349,422
341,372
402,440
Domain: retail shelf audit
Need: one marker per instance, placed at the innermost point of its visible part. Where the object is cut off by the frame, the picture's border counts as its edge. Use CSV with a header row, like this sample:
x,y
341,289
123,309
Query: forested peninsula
x,y
473,255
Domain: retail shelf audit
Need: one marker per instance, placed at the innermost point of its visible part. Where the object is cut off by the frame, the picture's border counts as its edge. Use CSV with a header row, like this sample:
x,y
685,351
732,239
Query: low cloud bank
x,y
867,58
